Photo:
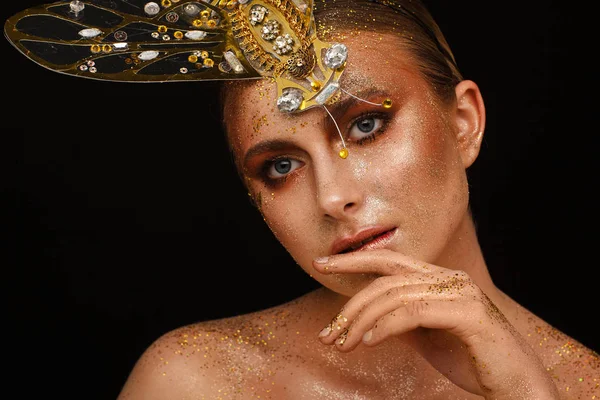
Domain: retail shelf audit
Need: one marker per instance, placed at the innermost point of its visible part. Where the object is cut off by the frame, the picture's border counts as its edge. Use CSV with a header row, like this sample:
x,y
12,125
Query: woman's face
x,y
403,186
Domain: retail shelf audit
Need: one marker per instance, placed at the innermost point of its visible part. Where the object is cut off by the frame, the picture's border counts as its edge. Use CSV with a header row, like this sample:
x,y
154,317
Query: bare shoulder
x,y
223,358
181,364
574,367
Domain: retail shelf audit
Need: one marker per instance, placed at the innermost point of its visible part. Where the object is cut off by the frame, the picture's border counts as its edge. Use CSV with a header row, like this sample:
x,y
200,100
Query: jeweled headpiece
x,y
181,40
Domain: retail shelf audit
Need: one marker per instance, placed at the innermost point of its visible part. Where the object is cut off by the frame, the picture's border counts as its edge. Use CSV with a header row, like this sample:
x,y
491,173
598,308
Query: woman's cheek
x,y
278,212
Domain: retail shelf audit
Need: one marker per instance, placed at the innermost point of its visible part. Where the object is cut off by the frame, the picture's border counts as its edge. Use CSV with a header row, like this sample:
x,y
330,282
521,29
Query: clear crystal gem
x,y
336,56
257,14
283,44
77,6
233,61
290,100
191,9
195,35
151,8
89,33
148,55
327,92
155,35
120,46
270,30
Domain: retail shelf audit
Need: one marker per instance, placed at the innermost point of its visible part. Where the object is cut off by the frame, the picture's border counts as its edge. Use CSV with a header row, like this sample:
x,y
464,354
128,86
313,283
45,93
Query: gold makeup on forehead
x,y
182,40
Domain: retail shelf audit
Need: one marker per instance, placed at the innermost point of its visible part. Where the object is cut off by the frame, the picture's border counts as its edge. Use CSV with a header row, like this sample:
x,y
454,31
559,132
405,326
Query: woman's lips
x,y
378,242
370,239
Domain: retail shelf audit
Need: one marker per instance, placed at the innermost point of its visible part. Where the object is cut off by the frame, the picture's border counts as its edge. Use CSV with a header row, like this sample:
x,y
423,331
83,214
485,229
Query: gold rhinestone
x,y
344,153
230,4
387,103
162,29
193,58
205,13
107,48
128,60
211,23
178,35
166,3
95,48
204,54
316,86
197,23
209,62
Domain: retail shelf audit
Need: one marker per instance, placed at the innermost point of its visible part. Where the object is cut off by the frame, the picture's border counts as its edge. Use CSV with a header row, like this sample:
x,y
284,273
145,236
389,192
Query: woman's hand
x,y
445,316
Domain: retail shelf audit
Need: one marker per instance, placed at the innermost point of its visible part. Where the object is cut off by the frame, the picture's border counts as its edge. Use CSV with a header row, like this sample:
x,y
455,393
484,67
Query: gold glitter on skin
x,y
414,180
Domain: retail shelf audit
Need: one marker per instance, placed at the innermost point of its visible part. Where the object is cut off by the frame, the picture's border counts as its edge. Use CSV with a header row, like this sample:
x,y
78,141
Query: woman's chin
x,y
349,284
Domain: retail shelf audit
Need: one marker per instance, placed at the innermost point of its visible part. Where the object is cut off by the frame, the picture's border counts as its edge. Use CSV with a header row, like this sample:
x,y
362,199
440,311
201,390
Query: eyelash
x,y
371,137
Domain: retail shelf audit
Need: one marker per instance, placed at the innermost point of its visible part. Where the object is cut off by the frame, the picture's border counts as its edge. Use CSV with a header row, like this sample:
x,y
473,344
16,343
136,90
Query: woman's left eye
x,y
365,127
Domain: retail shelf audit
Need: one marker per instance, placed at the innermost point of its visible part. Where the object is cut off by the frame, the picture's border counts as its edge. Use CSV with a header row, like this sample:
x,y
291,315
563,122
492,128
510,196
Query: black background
x,y
127,219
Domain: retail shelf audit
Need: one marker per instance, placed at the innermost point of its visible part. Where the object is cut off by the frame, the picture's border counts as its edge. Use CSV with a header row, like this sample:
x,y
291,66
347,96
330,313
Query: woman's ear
x,y
470,120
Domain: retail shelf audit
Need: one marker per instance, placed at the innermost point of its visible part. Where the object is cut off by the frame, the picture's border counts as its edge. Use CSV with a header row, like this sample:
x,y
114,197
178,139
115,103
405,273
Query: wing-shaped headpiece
x,y
182,40
173,40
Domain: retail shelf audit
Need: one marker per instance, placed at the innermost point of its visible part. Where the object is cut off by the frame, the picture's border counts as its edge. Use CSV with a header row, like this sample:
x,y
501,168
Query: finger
x,y
387,293
392,299
384,293
382,262
457,319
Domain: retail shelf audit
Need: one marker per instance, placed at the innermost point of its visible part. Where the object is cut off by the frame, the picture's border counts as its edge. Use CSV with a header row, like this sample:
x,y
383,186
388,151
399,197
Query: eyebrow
x,y
353,99
265,147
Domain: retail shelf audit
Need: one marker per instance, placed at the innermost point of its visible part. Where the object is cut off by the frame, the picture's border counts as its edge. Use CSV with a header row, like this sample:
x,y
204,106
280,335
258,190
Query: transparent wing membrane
x,y
131,40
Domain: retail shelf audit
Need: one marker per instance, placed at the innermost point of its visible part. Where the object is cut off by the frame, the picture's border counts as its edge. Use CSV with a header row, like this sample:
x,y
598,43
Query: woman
x,y
407,308
369,195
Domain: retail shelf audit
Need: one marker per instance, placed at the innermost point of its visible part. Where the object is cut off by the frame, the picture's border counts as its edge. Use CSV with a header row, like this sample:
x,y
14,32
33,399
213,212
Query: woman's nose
x,y
339,194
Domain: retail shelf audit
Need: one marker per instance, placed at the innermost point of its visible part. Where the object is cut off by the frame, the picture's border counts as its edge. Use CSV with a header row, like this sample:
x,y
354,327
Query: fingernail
x,y
321,260
367,336
325,332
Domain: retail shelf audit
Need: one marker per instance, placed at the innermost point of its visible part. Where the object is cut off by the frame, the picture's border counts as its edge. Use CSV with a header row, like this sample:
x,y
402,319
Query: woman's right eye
x,y
280,167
